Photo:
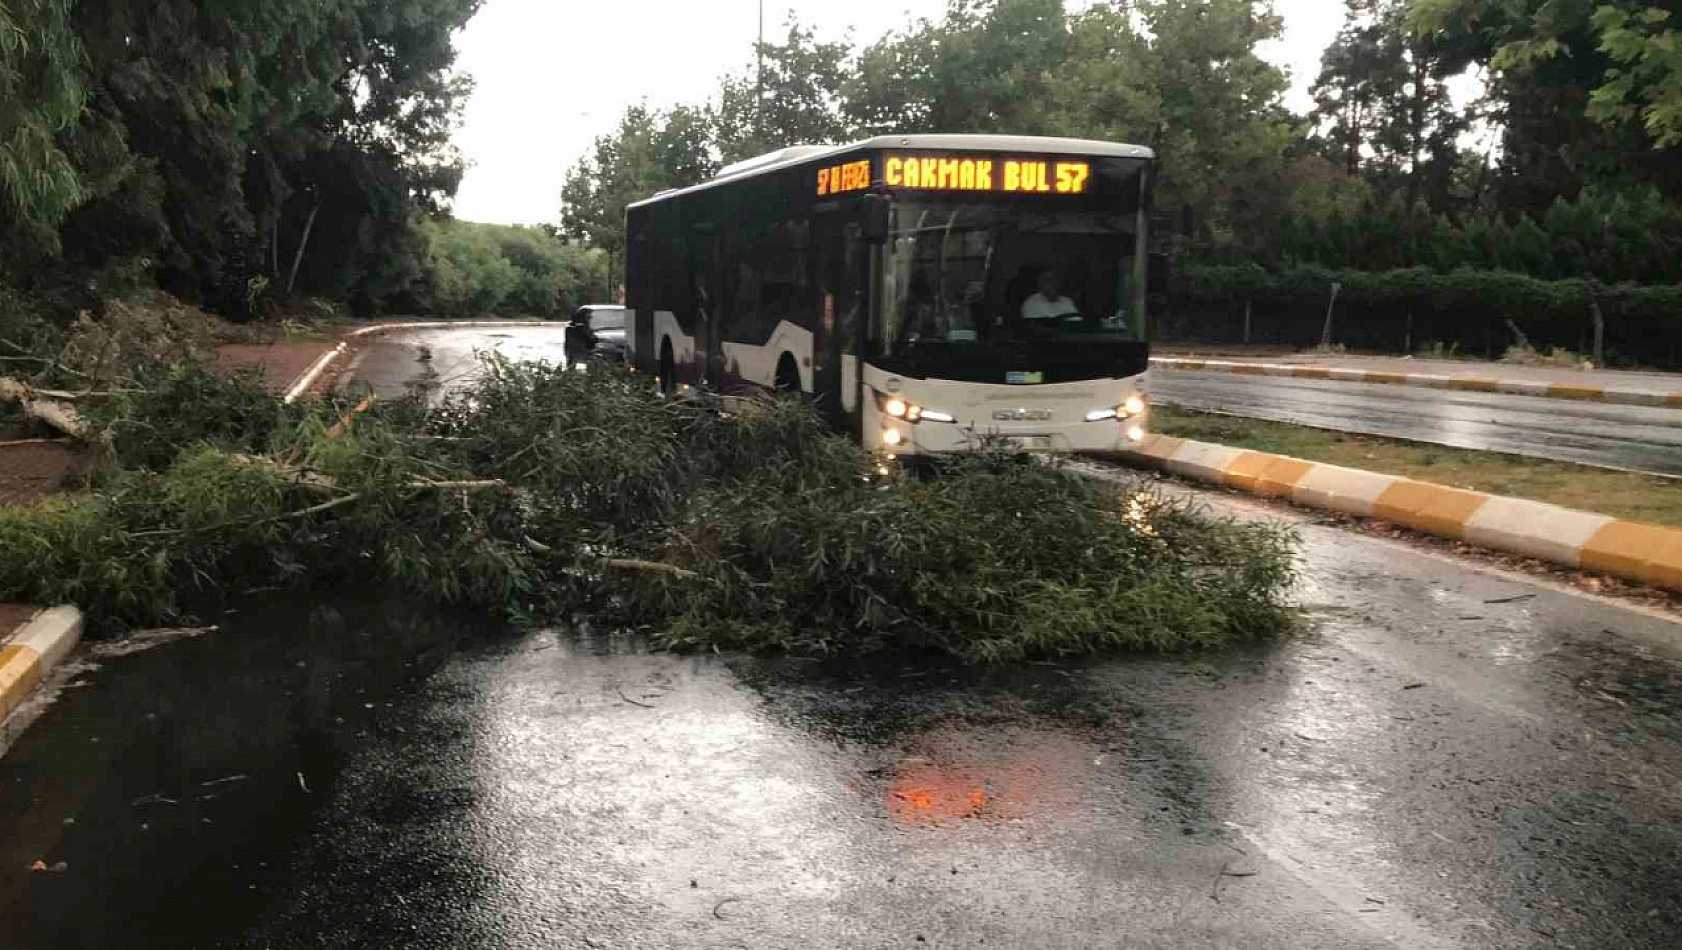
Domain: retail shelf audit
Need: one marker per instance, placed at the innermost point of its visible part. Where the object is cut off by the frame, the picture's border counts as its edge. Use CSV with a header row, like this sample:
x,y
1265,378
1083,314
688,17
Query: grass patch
x,y
1626,495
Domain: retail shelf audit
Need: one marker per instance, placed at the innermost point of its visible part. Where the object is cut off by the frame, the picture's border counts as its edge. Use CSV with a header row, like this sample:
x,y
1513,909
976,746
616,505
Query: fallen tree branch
x,y
482,484
28,357
345,420
302,478
59,415
633,564
341,501
89,393
317,509
7,445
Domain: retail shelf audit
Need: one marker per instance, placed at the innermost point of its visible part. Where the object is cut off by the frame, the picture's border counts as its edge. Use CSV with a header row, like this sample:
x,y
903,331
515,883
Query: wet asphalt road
x,y
391,361
1432,764
1639,438
1447,757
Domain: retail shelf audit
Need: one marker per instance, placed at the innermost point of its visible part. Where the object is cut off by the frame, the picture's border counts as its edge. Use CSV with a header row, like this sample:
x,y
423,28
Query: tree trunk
x,y
303,242
1247,322
1599,326
1326,334
1416,130
1523,341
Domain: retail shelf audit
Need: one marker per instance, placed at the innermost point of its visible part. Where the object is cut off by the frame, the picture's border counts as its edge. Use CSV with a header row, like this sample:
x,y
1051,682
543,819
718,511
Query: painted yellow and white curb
x,y
33,651
1580,539
1520,387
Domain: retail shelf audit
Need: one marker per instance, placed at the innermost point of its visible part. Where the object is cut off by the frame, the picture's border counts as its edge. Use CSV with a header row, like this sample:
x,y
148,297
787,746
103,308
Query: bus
x,y
925,290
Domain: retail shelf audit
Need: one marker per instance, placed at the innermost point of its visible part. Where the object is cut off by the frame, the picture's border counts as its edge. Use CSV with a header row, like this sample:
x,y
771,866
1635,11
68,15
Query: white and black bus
x,y
923,288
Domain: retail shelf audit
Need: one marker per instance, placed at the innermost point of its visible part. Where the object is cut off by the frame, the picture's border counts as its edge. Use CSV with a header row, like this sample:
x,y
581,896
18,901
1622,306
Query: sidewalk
x,y
280,364
1597,385
31,470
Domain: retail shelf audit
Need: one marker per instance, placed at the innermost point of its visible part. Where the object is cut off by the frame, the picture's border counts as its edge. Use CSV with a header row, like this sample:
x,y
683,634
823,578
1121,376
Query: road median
x,y
1648,553
1619,395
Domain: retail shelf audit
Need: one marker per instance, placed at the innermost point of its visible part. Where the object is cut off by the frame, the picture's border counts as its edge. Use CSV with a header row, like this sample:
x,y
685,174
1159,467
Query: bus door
x,y
705,307
843,285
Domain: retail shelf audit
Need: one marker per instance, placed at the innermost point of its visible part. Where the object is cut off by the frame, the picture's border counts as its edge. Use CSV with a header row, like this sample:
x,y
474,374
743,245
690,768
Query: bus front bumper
x,y
1067,438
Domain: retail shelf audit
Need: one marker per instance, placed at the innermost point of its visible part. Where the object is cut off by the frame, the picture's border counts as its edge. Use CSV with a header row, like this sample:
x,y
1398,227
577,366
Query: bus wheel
x,y
788,376
668,366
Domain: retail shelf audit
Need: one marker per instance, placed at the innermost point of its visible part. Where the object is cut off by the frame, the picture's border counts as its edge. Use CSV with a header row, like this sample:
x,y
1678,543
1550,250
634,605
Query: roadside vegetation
x,y
1636,497
547,495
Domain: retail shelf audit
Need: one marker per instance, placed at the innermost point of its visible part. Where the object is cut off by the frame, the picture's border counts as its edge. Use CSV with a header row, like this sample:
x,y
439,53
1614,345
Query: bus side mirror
x,y
873,228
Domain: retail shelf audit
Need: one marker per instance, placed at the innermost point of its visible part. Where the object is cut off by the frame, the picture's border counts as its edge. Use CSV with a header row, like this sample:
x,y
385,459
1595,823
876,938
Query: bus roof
x,y
813,154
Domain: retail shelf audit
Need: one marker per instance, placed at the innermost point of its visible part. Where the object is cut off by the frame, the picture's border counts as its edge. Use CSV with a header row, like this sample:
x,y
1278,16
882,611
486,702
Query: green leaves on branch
x,y
221,141
42,92
746,526
1646,85
1627,54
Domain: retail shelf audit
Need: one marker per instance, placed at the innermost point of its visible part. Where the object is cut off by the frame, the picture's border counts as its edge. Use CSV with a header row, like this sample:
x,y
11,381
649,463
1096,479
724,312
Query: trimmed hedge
x,y
1409,310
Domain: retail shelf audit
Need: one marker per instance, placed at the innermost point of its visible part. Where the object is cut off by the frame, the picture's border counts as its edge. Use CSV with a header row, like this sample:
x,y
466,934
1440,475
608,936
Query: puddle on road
x,y
955,773
938,744
197,766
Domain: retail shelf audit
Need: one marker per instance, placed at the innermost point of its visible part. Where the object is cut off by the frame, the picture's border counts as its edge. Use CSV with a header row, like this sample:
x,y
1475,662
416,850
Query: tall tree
x,y
649,152
42,93
794,100
205,118
1588,91
1185,78
1383,104
984,67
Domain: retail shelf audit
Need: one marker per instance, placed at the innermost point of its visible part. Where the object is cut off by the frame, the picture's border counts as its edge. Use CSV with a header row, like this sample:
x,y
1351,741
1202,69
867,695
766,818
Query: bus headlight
x,y
897,408
1136,434
1134,405
892,437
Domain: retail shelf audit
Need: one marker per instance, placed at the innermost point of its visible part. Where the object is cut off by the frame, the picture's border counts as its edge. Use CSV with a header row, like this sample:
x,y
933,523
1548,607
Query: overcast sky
x,y
552,77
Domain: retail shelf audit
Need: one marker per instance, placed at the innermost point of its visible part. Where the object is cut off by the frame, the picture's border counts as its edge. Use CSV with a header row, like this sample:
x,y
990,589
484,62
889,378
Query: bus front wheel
x,y
788,376
668,366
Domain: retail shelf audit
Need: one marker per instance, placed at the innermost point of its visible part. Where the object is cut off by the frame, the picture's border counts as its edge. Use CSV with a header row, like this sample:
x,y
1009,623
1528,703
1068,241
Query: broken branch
x,y
339,502
633,564
59,415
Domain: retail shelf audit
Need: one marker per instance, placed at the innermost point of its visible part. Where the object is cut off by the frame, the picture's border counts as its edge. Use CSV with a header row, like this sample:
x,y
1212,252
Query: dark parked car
x,y
596,330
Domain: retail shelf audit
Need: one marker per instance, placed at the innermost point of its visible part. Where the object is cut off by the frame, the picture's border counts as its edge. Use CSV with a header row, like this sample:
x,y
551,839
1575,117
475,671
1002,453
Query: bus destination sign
x,y
1015,176
853,176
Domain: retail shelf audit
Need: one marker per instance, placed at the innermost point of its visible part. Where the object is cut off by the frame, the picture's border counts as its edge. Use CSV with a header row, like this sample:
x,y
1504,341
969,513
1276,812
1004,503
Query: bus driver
x,y
1048,302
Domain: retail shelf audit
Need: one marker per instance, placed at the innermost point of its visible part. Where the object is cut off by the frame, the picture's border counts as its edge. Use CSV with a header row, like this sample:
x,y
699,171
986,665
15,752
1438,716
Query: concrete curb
x,y
307,378
1520,387
1631,550
33,651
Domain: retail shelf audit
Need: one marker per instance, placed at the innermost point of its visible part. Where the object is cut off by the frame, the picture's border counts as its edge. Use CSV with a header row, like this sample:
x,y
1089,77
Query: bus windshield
x,y
1004,275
